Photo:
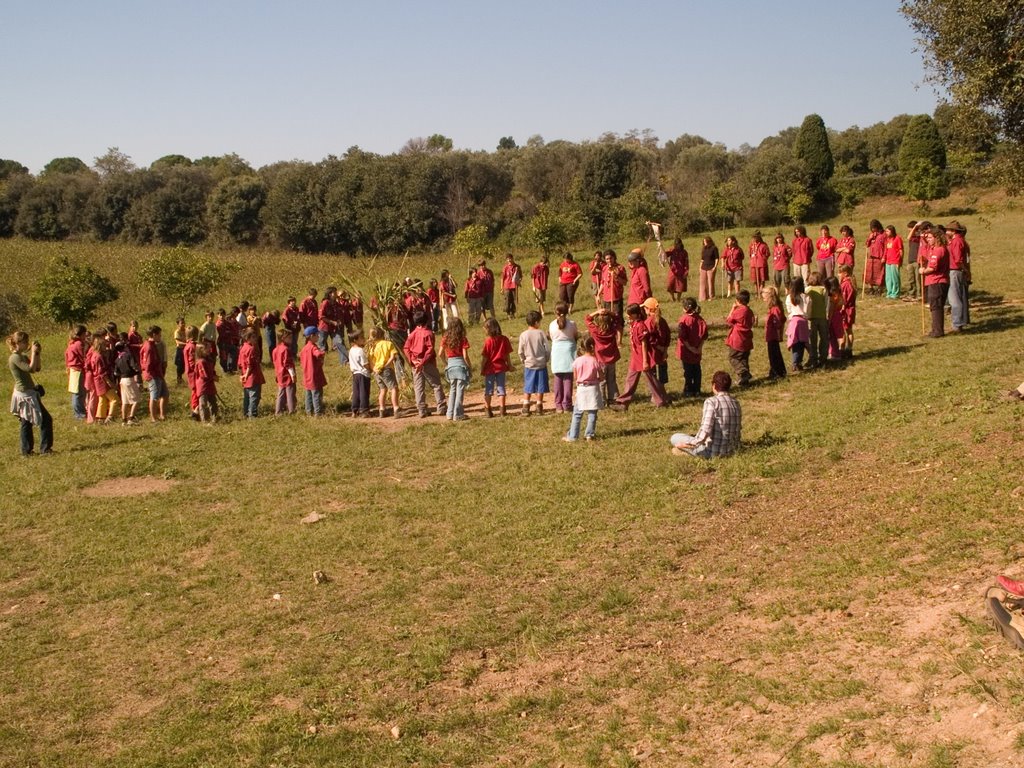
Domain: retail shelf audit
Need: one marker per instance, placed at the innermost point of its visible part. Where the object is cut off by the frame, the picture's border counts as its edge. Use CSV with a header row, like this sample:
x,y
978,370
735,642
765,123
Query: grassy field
x,y
496,597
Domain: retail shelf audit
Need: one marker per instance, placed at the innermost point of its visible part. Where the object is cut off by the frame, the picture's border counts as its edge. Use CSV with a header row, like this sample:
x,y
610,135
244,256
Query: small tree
x,y
71,293
471,241
550,230
179,275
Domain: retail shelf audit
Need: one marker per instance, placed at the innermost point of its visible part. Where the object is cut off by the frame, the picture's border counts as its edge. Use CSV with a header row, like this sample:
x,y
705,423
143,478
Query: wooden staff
x,y
920,285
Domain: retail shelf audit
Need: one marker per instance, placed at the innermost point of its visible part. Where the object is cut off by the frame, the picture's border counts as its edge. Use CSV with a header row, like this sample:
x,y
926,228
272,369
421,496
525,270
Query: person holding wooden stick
x,y
936,278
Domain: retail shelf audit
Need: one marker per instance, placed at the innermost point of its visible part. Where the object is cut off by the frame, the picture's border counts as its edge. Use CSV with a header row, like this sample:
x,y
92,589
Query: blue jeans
x,y
45,433
574,425
251,401
701,451
78,401
270,337
339,345
315,402
456,390
960,314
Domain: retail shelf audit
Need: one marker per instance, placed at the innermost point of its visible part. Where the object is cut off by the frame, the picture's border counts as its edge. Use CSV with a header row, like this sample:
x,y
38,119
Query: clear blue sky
x,y
282,80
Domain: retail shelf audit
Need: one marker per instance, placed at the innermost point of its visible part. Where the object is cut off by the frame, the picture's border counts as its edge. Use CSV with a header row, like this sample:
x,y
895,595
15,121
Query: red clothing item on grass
x,y
641,346
733,258
803,249
826,247
894,250
959,252
206,376
511,277
781,254
613,282
937,260
539,275
74,355
308,312
773,324
847,256
639,283
569,272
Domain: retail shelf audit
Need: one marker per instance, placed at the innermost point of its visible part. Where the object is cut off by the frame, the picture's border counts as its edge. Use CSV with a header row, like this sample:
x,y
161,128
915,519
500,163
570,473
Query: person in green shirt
x,y
26,400
817,320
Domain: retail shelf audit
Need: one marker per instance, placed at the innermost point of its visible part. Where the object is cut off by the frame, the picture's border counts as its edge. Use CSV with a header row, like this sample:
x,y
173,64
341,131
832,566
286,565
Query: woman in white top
x,y
797,329
563,352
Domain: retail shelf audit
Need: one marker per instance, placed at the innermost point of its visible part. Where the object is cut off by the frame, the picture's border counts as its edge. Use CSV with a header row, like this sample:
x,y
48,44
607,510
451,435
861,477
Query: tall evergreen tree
x,y
813,149
923,160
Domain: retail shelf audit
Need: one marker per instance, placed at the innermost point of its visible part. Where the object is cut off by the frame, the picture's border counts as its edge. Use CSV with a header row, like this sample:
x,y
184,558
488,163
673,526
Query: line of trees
x,y
540,194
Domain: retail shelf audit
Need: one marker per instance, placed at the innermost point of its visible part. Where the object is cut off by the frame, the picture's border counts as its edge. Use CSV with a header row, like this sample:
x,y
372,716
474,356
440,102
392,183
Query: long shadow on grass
x,y
134,438
884,352
999,316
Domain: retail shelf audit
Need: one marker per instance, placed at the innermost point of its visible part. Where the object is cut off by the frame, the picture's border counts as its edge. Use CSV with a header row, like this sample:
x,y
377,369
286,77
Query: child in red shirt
x,y
74,361
419,349
605,329
758,261
250,372
741,337
313,378
495,363
693,332
773,325
836,334
154,371
848,290
641,360
284,374
206,378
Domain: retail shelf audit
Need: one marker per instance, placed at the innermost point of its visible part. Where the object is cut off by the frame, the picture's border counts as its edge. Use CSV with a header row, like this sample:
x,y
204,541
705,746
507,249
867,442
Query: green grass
x,y
500,596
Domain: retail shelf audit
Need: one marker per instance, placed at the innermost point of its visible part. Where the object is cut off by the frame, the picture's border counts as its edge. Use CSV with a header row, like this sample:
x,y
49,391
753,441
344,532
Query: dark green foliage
x,y
170,161
632,210
174,211
233,210
113,162
812,148
65,165
550,230
507,142
71,293
55,207
114,197
973,47
12,190
10,168
923,160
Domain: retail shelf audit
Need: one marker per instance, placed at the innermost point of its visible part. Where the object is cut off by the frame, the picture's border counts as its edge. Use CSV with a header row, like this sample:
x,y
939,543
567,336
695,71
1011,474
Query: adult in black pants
x,y
935,271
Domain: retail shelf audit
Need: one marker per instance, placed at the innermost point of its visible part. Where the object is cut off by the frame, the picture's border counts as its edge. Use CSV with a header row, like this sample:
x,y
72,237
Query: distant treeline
x,y
420,197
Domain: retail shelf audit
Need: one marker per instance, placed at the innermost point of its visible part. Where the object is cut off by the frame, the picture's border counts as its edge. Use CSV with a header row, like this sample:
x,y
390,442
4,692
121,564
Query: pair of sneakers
x,y
1005,604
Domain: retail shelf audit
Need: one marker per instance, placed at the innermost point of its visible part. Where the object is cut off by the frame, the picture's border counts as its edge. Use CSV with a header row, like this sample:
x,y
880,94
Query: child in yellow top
x,y
381,354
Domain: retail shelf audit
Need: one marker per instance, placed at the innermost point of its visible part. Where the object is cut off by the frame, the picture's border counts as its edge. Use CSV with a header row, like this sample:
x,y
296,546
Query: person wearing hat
x,y
639,278
959,275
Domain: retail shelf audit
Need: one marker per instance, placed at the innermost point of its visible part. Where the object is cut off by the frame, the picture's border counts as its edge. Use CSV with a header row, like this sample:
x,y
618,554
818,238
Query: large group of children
x,y
812,310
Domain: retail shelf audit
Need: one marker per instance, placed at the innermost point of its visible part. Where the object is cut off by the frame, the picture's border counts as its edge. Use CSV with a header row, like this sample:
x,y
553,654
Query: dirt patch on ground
x,y
117,487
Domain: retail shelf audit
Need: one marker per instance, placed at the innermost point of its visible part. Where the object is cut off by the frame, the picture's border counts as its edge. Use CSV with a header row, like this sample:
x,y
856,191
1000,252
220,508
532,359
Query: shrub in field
x,y
550,230
471,241
181,276
813,149
55,206
71,293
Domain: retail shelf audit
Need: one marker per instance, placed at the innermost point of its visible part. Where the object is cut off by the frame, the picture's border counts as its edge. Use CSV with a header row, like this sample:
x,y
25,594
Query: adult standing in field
x,y
639,278
893,262
27,397
613,284
732,256
678,270
959,275
511,277
758,251
721,424
803,251
539,277
569,274
486,288
936,276
826,256
422,355
782,254
874,266
708,267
